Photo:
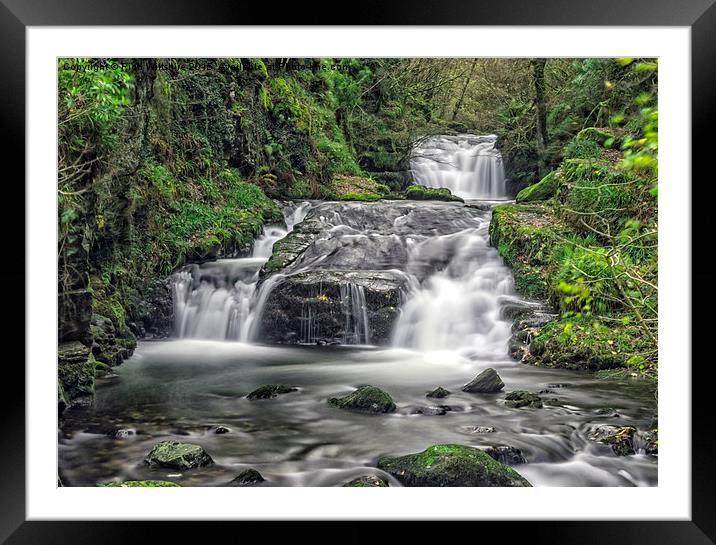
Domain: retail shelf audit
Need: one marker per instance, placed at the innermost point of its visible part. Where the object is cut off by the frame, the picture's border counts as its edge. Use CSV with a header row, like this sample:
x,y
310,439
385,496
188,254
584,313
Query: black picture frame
x,y
699,15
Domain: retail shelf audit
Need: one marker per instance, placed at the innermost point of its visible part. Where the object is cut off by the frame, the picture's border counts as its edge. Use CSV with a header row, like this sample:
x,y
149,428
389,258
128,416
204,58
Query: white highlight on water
x,y
218,300
469,165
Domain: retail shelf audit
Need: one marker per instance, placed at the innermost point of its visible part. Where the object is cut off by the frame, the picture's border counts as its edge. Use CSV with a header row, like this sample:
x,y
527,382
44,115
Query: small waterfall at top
x,y
468,165
218,300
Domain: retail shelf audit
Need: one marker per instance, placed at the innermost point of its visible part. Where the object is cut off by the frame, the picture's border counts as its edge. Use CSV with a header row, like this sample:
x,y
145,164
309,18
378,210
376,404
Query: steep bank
x,y
585,240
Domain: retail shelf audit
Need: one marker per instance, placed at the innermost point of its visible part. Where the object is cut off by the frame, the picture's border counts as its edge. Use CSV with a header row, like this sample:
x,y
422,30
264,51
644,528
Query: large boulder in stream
x,y
487,382
175,455
451,465
324,307
368,399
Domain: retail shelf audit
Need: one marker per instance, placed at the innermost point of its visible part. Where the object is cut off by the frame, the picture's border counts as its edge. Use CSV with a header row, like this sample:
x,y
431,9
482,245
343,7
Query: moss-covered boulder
x,y
268,391
175,455
451,465
367,481
422,193
523,398
487,382
545,189
438,393
142,484
248,477
367,399
345,187
620,438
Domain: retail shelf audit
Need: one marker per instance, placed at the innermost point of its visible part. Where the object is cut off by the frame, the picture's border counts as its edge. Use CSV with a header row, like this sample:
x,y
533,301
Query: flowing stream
x,y
449,327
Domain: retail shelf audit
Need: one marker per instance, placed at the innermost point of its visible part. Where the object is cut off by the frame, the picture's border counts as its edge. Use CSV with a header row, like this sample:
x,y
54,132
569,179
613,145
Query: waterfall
x,y
218,300
458,305
469,165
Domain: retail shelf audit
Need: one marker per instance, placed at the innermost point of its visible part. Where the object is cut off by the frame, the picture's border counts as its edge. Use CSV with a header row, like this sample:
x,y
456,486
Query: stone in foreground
x,y
365,399
175,455
439,393
451,465
248,477
367,480
268,391
506,455
621,438
147,484
523,398
487,382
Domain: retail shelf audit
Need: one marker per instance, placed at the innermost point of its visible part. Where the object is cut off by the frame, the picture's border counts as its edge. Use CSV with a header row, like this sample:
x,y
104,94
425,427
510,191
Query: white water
x,y
469,165
458,306
218,300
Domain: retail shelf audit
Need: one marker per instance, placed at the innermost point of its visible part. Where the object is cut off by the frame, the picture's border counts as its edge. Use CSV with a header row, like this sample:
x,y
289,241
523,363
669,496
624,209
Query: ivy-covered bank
x,y
584,238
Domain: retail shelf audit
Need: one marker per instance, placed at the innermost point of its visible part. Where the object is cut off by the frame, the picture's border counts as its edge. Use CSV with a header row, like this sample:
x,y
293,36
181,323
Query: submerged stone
x,y
439,393
451,465
367,480
487,382
268,391
365,399
248,477
523,398
175,455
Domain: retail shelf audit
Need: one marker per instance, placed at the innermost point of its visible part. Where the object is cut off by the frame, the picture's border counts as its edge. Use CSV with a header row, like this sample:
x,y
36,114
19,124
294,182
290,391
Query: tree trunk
x,y
458,105
538,74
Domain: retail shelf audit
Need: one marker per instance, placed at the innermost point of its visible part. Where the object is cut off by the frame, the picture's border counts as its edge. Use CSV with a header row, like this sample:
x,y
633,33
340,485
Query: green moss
x,y
545,189
450,465
365,399
268,391
355,188
422,193
143,484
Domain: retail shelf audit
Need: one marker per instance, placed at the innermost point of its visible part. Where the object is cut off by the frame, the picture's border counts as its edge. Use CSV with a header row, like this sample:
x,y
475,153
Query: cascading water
x,y
468,165
457,306
448,329
217,300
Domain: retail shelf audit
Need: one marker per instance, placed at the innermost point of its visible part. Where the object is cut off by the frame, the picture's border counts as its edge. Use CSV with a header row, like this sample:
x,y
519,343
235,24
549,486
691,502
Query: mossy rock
x,y
451,465
438,393
175,455
269,391
355,188
142,484
545,189
367,481
620,438
365,399
523,398
422,193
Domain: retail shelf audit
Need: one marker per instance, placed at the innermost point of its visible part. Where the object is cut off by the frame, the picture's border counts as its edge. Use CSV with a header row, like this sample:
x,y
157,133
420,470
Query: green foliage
x,y
582,148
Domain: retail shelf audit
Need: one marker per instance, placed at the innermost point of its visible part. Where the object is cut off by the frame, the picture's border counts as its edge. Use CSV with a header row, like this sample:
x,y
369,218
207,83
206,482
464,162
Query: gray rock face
x,y
356,307
336,278
438,392
487,382
175,455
